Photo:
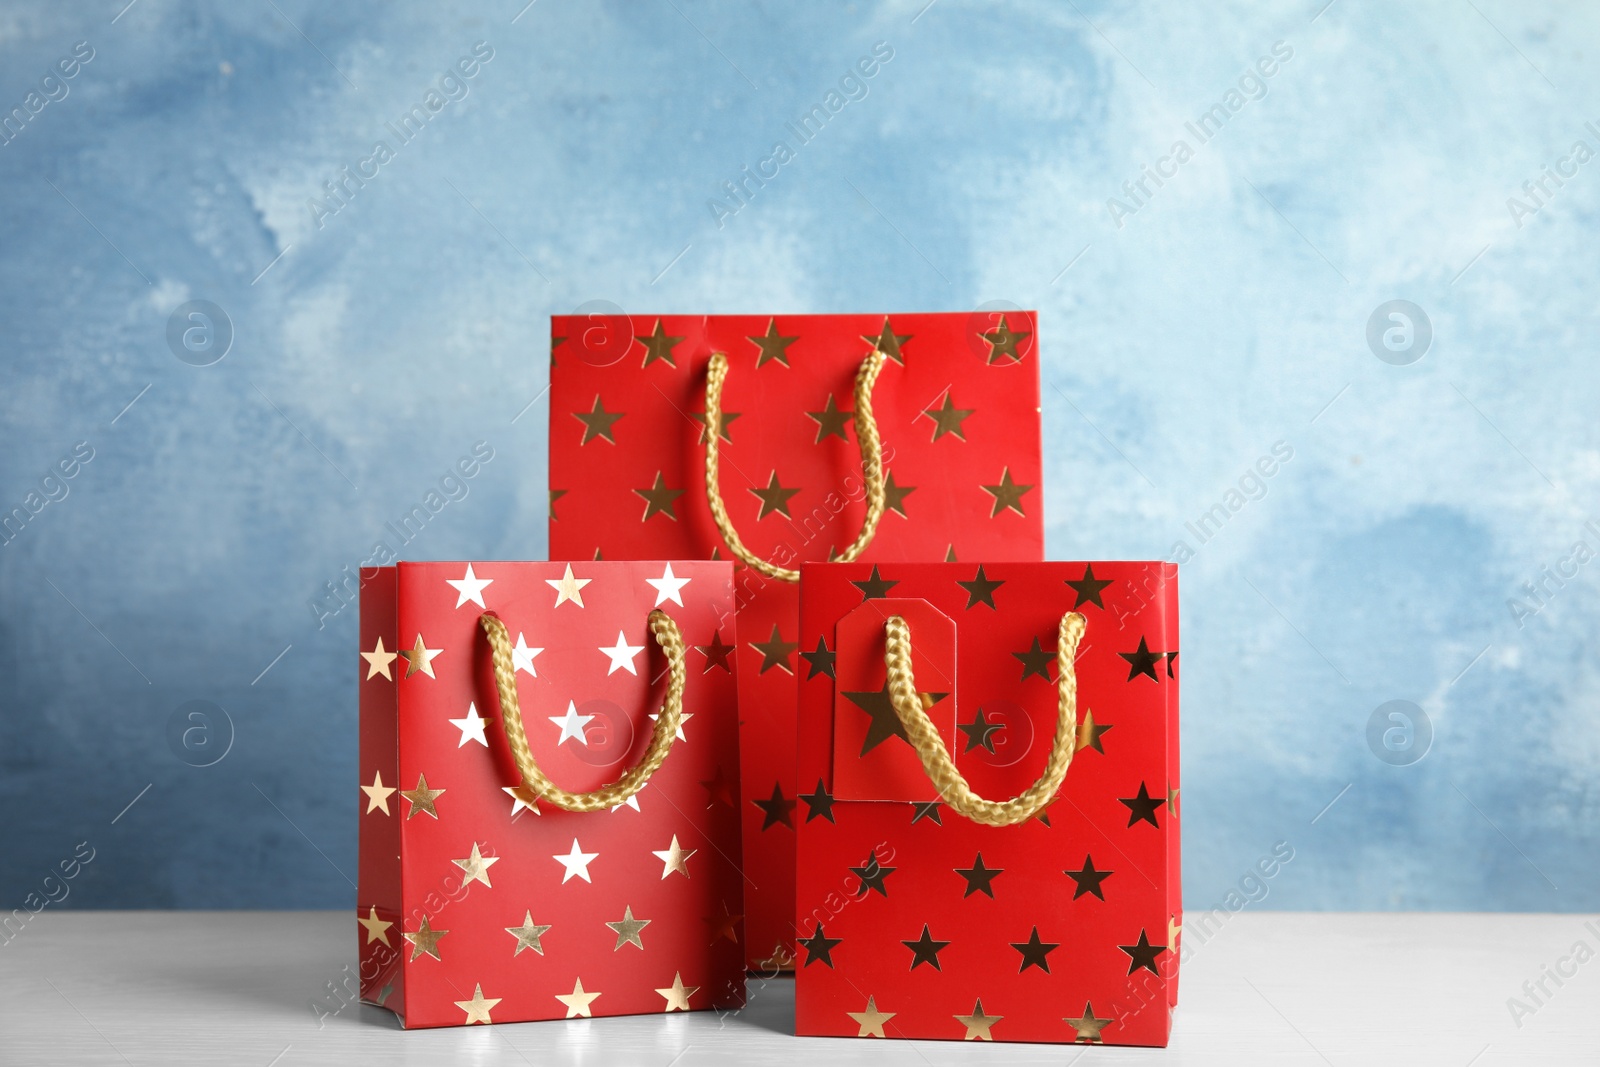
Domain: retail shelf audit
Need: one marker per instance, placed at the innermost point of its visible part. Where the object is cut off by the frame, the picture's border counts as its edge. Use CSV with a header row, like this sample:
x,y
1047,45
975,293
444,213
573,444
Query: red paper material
x,y
640,904
957,407
918,923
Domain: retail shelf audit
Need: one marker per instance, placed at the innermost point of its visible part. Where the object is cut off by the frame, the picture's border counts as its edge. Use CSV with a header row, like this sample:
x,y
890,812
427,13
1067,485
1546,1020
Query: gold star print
x,y
1089,588
577,1001
1008,494
528,934
1089,733
885,720
1088,1027
1172,798
475,868
1174,928
981,589
377,794
1143,956
894,496
426,940
1003,341
978,1023
716,653
723,925
1143,660
674,858
378,661
775,651
819,946
822,660
678,994
657,345
875,585
948,419
718,789
1036,661
568,587
871,1021
777,809
727,418
555,494
377,929
628,929
773,347
479,1007
421,798
888,342
658,499
831,421
597,422
774,498
1036,952
420,658
980,732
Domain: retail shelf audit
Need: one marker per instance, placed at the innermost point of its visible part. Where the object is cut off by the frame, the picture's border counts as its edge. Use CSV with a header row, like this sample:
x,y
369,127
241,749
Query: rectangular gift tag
x,y
481,902
954,413
1061,923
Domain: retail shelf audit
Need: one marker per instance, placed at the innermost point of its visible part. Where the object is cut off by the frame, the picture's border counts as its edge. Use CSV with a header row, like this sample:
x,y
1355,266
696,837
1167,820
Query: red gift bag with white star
x,y
951,420
1032,894
549,776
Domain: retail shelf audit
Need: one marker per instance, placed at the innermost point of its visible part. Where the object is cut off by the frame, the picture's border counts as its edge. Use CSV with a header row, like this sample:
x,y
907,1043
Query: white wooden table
x,y
1276,988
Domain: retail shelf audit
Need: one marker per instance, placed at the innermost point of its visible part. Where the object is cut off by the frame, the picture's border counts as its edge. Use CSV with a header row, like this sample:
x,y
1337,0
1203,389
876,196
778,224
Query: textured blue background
x,y
1226,314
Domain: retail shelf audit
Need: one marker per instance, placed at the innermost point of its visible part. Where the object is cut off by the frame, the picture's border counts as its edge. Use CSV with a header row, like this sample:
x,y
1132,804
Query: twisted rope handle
x,y
669,638
936,761
867,439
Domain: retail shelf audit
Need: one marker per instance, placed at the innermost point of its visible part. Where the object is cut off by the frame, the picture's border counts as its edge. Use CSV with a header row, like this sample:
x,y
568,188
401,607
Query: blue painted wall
x,y
1188,328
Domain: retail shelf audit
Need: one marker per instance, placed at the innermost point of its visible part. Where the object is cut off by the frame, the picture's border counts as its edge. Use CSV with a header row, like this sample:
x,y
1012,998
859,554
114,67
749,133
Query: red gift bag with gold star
x,y
548,790
989,765
906,437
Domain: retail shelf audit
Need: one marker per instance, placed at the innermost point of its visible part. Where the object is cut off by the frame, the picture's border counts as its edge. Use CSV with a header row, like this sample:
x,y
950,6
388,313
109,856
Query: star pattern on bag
x,y
650,860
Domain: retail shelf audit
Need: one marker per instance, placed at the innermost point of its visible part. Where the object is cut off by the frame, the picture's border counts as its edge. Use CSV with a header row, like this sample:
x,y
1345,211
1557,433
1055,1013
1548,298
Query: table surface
x,y
1279,988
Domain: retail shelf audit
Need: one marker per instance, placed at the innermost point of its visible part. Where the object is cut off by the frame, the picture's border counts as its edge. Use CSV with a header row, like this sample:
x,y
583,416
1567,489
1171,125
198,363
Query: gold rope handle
x,y
941,770
669,638
867,439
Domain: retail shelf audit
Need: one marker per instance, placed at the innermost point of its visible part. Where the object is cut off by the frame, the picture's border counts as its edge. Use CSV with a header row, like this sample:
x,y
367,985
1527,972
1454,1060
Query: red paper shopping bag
x,y
906,437
952,910
549,773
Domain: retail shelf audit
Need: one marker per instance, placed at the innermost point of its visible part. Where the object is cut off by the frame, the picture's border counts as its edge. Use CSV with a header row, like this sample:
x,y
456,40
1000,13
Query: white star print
x,y
522,657
622,655
471,727
668,587
517,803
576,863
631,802
572,724
683,721
470,588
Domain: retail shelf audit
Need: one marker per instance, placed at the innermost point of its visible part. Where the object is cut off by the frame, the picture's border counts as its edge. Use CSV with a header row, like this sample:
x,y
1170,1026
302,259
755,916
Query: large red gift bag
x,y
549,773
884,439
989,846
